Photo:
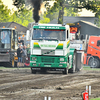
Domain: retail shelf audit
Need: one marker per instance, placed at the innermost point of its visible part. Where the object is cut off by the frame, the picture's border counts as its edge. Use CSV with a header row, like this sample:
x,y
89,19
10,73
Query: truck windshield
x,y
5,39
48,34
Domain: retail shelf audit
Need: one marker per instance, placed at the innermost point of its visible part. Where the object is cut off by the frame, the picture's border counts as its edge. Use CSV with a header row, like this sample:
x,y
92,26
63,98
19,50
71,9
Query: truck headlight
x,y
63,62
62,59
34,64
33,58
61,65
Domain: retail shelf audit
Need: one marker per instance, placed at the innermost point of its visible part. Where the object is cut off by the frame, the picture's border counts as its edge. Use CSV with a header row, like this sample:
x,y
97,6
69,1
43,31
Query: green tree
x,y
53,12
75,4
23,17
45,19
4,13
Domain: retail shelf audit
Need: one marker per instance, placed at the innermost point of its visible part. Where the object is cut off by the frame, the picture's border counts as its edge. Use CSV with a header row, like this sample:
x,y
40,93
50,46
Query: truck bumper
x,y
48,61
47,68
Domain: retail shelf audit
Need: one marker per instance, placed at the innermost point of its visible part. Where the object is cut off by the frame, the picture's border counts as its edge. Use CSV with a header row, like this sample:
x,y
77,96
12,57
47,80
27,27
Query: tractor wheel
x,y
73,69
94,63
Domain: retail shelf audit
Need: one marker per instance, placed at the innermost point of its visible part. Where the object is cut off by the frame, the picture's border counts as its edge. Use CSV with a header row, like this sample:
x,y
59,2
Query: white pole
x,y
49,98
86,88
89,90
45,98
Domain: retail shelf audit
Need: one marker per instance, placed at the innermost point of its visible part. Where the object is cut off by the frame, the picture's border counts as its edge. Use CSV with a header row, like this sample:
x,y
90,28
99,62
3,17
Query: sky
x,y
9,3
83,13
86,13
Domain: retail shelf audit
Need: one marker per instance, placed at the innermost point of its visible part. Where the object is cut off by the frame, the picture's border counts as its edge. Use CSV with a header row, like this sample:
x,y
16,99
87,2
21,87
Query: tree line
x,y
59,9
23,17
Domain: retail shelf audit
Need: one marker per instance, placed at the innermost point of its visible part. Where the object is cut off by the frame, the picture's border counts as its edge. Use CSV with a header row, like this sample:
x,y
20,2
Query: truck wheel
x,y
94,63
33,71
65,71
73,69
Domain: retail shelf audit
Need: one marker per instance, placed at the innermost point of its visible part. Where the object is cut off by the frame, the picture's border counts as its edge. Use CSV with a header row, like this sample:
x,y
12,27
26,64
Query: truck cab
x,y
8,45
92,52
50,48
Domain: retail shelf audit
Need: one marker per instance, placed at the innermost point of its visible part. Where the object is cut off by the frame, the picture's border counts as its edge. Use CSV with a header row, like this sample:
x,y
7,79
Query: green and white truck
x,y
50,49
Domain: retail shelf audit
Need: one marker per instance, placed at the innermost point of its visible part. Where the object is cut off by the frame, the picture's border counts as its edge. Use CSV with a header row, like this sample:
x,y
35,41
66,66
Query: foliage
x,y
64,8
74,5
4,12
44,20
24,17
70,12
19,3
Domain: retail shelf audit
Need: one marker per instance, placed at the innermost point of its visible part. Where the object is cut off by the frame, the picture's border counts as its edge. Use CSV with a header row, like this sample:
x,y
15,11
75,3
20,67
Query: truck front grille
x,y
47,60
48,52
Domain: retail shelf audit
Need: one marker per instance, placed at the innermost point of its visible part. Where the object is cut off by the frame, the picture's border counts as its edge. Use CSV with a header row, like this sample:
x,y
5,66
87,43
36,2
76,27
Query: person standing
x,y
22,41
24,55
19,55
19,41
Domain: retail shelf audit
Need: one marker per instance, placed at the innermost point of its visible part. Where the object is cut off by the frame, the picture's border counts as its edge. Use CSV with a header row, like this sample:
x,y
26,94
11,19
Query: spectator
x,y
24,55
22,41
19,55
19,41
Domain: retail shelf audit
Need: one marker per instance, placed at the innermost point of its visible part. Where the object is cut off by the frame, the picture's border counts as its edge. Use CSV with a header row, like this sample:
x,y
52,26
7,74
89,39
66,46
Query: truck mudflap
x,y
4,57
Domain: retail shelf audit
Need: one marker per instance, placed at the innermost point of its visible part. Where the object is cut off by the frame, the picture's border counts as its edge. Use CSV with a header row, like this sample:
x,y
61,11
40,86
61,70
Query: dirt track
x,y
22,85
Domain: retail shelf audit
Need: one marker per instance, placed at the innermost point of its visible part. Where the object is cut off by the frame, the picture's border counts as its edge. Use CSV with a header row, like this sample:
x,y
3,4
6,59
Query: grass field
x,y
88,68
95,99
14,67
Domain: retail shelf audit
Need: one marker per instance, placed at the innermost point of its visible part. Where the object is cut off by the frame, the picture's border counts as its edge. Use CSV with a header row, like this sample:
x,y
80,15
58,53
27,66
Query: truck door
x,y
14,40
98,48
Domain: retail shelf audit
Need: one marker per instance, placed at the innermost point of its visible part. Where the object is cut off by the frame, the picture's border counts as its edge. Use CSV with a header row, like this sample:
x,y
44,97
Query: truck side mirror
x,y
28,35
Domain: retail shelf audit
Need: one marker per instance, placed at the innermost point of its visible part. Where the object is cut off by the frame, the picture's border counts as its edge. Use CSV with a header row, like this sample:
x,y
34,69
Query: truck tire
x,y
94,63
65,71
73,69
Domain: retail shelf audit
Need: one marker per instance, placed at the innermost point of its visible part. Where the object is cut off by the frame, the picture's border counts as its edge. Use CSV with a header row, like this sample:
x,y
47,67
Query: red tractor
x,y
92,52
